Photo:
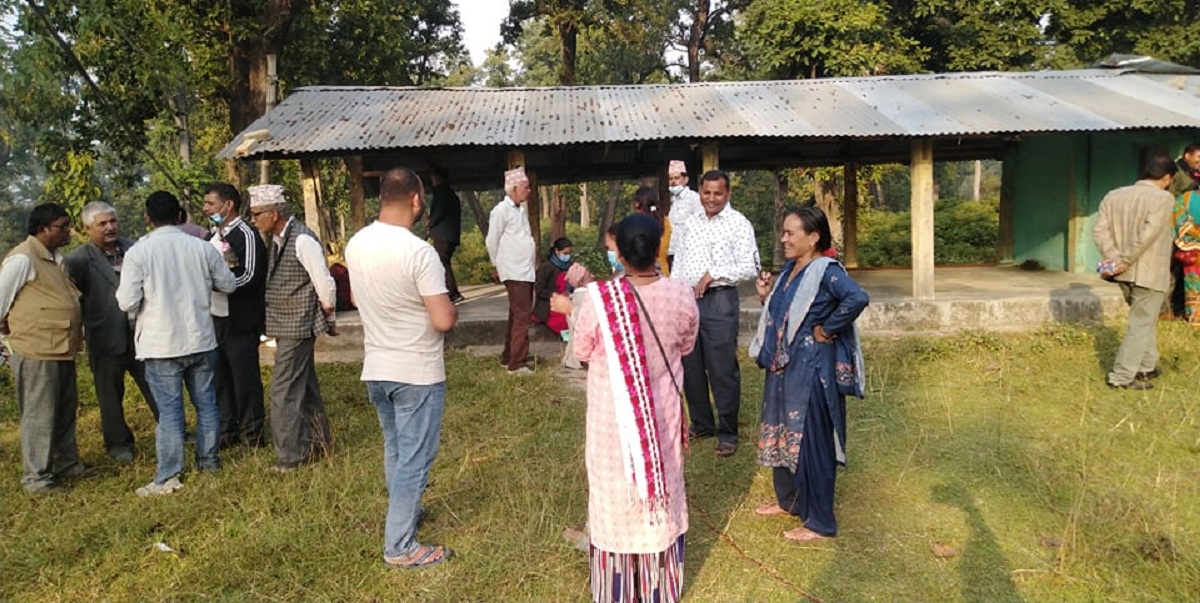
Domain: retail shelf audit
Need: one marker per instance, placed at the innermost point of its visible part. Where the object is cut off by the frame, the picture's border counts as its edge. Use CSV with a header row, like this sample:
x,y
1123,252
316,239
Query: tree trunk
x,y
248,58
877,194
358,210
476,210
827,200
544,195
558,213
696,38
975,189
610,210
568,33
585,212
781,190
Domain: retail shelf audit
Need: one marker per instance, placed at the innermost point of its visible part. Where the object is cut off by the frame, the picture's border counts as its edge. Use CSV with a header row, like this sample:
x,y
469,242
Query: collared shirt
x,y
220,301
723,246
509,242
683,207
167,280
1134,226
312,258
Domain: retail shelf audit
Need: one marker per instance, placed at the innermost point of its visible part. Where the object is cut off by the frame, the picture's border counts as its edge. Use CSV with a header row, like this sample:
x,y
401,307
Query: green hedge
x,y
965,232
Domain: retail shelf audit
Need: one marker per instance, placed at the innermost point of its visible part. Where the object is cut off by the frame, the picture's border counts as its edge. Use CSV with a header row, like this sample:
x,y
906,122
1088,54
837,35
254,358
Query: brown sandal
x,y
726,449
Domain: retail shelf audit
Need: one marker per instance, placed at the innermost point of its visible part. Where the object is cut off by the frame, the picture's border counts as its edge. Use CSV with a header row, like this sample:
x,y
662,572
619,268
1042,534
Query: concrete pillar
x,y
710,158
1008,204
850,215
310,183
922,218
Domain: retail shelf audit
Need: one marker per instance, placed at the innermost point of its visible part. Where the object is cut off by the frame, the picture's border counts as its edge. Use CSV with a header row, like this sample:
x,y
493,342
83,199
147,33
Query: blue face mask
x,y
675,190
217,219
616,264
566,257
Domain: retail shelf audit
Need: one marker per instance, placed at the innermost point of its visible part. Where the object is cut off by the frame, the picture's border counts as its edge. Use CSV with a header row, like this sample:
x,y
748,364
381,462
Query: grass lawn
x,y
1005,454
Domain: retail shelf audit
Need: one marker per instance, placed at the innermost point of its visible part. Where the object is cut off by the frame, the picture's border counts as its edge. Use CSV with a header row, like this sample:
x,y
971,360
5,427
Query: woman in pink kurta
x,y
636,531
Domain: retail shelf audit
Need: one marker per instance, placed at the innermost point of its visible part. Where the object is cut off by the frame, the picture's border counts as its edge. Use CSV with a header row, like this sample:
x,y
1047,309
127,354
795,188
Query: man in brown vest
x,y
39,311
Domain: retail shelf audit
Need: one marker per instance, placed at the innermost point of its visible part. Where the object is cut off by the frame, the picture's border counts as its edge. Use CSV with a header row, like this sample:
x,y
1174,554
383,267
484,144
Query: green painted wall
x,y
1060,181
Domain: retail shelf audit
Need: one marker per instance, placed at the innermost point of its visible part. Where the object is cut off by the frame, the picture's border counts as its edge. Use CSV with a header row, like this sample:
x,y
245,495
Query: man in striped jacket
x,y
238,318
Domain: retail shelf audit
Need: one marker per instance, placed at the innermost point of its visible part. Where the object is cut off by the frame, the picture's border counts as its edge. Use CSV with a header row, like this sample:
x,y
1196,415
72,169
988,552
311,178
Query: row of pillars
x,y
921,205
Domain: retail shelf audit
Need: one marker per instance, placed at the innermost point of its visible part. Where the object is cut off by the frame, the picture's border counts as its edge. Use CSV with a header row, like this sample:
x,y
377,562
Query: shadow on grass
x,y
983,571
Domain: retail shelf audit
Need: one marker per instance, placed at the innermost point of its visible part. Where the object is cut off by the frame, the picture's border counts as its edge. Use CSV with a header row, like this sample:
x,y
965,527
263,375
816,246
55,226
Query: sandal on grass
x,y
726,449
425,556
804,535
769,509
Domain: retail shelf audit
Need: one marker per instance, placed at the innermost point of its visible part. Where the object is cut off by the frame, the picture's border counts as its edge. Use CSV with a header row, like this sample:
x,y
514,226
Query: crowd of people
x,y
175,310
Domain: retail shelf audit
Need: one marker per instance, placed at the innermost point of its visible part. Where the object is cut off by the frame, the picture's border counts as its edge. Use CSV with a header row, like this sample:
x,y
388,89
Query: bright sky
x,y
481,25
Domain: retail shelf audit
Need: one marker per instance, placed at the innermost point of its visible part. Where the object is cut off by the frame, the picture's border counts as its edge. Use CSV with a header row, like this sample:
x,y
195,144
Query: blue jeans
x,y
411,419
167,377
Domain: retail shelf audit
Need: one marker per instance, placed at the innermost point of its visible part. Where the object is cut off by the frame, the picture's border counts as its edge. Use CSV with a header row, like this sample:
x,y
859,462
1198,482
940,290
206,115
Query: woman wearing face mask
x,y
552,278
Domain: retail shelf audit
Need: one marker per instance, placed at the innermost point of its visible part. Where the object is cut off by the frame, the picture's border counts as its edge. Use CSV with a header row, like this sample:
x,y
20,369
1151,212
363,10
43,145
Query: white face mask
x,y
675,190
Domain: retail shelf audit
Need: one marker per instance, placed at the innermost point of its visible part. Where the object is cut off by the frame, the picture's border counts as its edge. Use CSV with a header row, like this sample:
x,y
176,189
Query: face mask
x,y
566,257
217,219
675,190
616,264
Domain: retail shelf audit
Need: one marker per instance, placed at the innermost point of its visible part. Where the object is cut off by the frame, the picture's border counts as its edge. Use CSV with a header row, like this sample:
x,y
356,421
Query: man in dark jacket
x,y
96,270
445,227
1187,171
238,318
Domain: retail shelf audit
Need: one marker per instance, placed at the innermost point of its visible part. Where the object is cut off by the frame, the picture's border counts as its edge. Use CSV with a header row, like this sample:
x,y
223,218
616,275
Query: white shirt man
x,y
685,203
514,253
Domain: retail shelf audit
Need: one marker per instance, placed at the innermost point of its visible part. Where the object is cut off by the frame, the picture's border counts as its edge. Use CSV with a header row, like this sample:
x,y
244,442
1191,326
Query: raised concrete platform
x,y
988,298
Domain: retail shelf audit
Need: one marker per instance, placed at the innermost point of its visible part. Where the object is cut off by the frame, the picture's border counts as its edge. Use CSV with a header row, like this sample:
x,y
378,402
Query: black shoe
x,y
457,299
1154,373
1135,384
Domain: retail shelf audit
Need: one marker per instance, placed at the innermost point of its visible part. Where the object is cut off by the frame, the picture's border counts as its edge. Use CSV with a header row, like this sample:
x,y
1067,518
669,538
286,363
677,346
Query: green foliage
x,y
73,184
964,233
1086,31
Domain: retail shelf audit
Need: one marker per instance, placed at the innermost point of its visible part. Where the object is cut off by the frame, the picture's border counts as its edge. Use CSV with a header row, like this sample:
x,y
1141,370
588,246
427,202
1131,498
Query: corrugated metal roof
x,y
337,120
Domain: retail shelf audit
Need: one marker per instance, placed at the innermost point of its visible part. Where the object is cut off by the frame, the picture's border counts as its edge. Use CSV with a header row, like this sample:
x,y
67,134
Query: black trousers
x,y
713,364
445,250
239,385
108,373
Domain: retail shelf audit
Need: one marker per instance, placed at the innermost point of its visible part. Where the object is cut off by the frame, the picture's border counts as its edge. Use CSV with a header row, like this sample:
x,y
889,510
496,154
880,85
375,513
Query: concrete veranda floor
x,y
987,298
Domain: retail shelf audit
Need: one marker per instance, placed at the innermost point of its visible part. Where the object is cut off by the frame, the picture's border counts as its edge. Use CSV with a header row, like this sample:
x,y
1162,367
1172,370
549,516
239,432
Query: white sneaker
x,y
154,489
521,371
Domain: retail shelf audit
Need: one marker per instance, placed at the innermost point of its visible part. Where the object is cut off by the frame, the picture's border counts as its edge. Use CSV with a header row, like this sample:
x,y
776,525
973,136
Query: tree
x,y
564,17
975,35
1086,31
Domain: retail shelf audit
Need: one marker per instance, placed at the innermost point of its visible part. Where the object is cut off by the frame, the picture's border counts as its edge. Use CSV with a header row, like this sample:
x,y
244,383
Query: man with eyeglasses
x,y
40,314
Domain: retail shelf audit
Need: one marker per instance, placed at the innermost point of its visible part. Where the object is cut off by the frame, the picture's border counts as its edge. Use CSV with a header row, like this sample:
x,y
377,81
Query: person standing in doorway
x,y
1133,233
513,251
445,227
685,203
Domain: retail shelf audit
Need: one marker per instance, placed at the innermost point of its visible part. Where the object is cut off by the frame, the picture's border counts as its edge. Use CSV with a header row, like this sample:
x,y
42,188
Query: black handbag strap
x,y
661,350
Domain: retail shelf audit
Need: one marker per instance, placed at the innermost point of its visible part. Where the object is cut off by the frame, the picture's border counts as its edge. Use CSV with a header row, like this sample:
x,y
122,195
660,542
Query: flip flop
x,y
726,449
770,509
421,560
804,535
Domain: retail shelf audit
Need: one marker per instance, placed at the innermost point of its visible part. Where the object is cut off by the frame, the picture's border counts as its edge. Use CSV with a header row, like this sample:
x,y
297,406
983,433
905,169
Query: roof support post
x,y
850,215
358,211
1008,205
922,218
710,158
516,159
310,183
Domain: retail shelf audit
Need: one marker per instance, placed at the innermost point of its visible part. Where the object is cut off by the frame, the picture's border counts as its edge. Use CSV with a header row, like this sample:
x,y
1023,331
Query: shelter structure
x,y
1066,137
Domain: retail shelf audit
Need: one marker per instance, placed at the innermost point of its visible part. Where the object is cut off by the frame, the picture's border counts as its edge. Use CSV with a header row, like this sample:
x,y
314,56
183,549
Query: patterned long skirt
x,y
637,578
1191,285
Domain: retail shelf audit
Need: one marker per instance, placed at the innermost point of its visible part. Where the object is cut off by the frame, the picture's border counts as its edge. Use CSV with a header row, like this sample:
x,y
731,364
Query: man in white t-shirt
x,y
399,287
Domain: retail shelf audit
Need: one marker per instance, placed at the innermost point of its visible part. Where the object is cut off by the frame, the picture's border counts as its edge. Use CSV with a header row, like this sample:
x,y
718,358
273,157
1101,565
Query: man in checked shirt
x,y
718,252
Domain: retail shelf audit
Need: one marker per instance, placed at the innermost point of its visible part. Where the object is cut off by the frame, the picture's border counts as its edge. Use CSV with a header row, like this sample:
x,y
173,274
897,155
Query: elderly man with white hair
x,y
301,298
511,246
96,269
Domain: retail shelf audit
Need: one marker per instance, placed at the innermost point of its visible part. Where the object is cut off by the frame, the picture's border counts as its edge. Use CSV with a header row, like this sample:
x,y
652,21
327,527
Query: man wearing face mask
x,y
96,270
685,203
238,318
513,252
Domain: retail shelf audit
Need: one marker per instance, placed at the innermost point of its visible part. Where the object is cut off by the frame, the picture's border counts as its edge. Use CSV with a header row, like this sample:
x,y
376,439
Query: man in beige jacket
x,y
1133,233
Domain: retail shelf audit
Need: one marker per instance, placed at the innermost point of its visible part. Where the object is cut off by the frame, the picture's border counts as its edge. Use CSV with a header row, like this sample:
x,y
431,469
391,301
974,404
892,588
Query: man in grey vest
x,y
39,311
301,297
96,270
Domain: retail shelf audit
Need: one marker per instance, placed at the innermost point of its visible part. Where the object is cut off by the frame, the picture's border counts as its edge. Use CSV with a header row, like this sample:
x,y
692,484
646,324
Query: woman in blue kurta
x,y
808,343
